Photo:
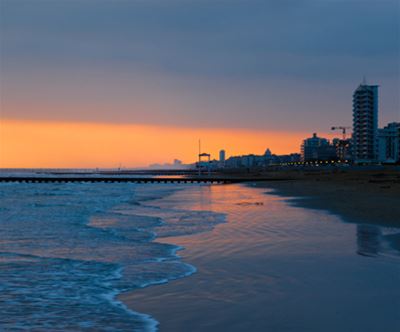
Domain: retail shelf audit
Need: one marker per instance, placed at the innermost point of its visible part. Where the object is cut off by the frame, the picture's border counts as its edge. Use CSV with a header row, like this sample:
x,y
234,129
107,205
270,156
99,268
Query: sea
x,y
68,250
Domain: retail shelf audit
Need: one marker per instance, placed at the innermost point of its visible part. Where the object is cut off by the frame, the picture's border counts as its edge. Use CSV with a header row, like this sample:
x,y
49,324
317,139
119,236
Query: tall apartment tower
x,y
365,124
222,156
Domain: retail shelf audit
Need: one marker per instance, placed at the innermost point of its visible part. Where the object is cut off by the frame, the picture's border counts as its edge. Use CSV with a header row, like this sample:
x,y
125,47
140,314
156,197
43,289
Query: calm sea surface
x,y
68,250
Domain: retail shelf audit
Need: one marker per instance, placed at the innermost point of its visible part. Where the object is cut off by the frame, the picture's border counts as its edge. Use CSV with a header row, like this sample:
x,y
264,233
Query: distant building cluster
x,y
260,161
247,161
177,164
367,144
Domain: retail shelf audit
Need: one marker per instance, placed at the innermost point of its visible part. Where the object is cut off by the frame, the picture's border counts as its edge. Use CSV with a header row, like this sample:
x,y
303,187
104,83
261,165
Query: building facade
x,y
343,149
365,124
317,148
389,143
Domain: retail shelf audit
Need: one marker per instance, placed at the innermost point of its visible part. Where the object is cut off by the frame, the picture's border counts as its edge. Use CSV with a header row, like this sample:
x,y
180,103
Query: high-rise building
x,y
389,143
365,124
222,156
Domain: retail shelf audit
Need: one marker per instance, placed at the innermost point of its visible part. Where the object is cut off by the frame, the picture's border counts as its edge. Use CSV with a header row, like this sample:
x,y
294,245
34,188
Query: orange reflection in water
x,y
79,144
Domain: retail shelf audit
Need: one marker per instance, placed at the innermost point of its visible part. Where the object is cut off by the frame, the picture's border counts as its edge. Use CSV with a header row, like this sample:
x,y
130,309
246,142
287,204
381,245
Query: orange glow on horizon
x,y
34,144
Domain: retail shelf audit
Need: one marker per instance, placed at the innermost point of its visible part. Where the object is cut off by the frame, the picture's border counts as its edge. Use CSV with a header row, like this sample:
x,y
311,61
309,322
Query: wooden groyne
x,y
143,180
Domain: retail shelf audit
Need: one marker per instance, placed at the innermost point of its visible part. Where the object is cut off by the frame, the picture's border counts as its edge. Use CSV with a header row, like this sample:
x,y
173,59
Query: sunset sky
x,y
101,83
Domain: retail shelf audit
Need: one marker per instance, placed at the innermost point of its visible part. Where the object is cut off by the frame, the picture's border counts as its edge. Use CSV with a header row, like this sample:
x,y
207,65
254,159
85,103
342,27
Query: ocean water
x,y
68,250
256,261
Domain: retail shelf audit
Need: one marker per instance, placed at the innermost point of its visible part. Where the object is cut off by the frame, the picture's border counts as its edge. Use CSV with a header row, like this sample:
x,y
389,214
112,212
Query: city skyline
x,y
241,77
120,143
89,157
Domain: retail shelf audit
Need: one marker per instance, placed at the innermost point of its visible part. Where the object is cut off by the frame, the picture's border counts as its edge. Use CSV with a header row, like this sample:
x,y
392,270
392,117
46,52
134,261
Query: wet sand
x,y
361,197
278,267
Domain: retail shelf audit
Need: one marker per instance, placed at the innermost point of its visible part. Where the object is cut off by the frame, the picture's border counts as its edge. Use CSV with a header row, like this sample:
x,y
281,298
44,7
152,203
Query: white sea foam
x,y
68,250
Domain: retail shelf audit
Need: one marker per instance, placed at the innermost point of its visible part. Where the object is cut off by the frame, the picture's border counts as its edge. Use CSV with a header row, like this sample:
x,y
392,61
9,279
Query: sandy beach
x,y
278,265
357,196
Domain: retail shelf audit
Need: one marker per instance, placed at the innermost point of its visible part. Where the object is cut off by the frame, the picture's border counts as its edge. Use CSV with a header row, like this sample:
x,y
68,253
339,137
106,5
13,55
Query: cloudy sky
x,y
272,65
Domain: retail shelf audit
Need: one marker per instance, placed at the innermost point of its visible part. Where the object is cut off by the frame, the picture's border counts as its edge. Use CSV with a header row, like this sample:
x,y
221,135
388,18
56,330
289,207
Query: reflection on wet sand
x,y
368,240
274,266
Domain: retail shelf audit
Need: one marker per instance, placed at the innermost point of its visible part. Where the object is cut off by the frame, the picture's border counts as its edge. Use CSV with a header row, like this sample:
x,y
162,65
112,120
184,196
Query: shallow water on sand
x,y
68,250
277,267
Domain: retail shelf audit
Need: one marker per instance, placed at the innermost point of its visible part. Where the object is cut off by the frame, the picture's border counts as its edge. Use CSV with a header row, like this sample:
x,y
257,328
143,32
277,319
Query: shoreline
x,y
357,197
223,296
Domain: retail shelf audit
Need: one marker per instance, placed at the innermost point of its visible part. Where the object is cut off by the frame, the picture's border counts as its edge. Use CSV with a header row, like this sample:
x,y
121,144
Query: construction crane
x,y
343,129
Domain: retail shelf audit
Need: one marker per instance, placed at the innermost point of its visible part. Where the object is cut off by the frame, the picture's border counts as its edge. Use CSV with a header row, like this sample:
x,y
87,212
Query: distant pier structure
x,y
201,161
115,179
207,162
139,176
122,179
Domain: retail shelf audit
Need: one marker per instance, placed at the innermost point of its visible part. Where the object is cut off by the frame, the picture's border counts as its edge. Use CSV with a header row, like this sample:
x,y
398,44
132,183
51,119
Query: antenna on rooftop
x,y
199,156
199,146
364,81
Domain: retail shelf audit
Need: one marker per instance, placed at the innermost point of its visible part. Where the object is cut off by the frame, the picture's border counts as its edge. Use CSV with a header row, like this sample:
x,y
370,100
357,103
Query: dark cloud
x,y
250,52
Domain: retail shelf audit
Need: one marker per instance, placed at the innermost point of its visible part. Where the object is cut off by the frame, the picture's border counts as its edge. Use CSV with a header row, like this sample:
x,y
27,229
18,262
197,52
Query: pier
x,y
125,179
